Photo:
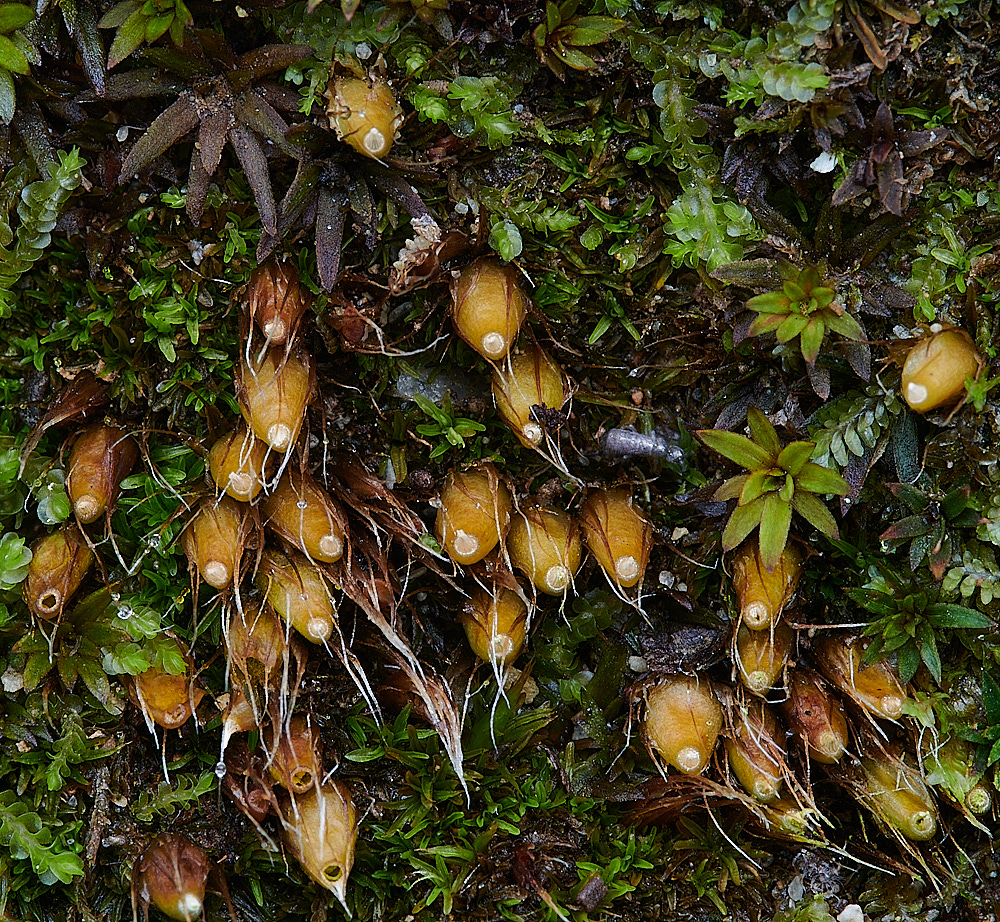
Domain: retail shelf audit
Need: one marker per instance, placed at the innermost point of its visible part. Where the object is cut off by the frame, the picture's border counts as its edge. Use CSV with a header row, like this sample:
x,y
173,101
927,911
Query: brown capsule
x,y
762,595
936,368
59,563
544,544
755,753
618,536
528,380
273,395
171,874
295,764
164,699
321,828
816,716
495,623
236,462
365,115
788,817
897,793
474,514
276,300
489,307
100,459
683,721
212,540
299,593
305,515
255,644
761,656
874,688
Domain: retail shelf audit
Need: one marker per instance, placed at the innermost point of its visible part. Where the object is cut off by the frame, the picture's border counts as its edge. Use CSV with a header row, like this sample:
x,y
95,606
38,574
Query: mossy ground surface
x,y
648,168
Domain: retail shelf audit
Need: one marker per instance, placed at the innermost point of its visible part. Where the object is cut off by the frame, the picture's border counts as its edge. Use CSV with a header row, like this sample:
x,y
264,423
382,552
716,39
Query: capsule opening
x,y
87,508
494,344
533,433
302,779
557,578
319,630
892,706
627,568
756,615
240,483
688,759
916,394
501,646
50,601
189,907
331,546
332,872
276,330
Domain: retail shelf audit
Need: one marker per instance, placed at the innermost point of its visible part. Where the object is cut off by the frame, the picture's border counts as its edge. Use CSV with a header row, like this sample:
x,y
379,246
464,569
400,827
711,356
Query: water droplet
x,y
302,504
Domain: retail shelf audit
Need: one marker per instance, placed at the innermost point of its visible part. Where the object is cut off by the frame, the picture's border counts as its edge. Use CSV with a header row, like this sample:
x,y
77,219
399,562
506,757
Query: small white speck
x,y
824,163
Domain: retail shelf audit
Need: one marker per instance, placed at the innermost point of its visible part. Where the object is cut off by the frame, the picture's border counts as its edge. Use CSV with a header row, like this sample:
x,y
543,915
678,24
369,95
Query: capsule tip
x,y
465,544
240,484
831,745
302,780
532,433
276,330
216,574
319,630
756,615
916,394
557,578
494,344
758,682
923,825
49,602
501,646
279,436
766,789
689,760
891,706
87,508
374,142
331,547
978,800
627,569
188,907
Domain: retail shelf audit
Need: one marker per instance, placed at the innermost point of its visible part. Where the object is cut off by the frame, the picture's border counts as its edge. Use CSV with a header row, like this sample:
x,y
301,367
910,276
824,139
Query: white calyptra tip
x,y
240,483
689,759
465,543
557,578
916,394
319,629
188,907
626,567
374,142
755,615
892,706
501,646
279,436
533,433
276,330
494,344
87,508
216,574
331,546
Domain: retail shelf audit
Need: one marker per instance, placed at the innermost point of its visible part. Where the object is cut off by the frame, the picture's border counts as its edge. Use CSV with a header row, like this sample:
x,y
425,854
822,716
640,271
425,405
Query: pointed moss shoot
x,y
780,479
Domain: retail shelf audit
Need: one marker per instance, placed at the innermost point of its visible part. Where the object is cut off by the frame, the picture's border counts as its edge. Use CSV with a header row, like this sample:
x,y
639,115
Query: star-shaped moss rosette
x,y
780,479
804,307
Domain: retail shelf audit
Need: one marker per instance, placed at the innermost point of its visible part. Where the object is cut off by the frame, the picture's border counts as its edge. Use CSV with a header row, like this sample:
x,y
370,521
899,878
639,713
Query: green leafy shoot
x,y
444,423
138,21
803,308
559,40
780,480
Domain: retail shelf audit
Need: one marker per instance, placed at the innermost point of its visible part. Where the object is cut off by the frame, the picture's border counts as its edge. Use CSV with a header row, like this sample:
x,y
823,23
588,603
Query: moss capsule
x,y
236,463
755,754
255,644
276,300
295,764
495,623
474,514
618,536
212,540
762,595
816,716
489,307
365,115
761,656
59,563
299,593
545,545
935,370
306,516
100,459
171,875
529,380
274,393
320,828
165,699
683,721
874,688
897,793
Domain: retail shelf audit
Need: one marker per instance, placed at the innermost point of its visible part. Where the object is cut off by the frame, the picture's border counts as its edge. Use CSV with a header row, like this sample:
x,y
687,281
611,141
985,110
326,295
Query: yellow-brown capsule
x,y
762,595
755,752
683,720
899,796
816,716
474,514
295,764
255,644
299,593
530,379
100,459
276,300
236,462
59,563
618,536
365,115
306,516
212,540
544,544
274,393
171,874
874,688
495,623
787,817
489,307
935,370
164,699
761,656
321,828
